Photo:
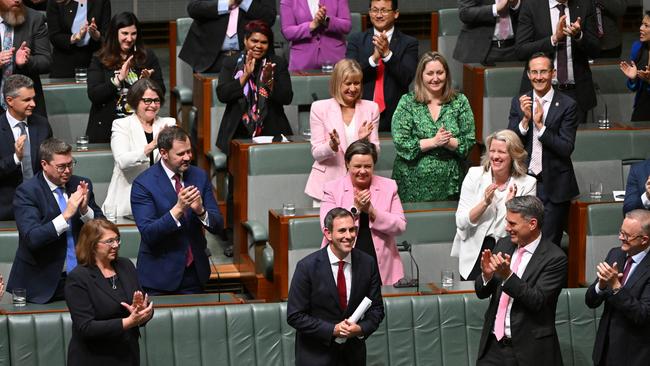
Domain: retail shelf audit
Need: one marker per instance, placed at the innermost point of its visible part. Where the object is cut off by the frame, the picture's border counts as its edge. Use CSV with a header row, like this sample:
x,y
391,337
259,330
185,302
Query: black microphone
x,y
314,96
405,246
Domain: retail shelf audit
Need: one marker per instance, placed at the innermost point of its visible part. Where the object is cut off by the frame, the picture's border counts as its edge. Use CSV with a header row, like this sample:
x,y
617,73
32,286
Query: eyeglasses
x,y
61,168
375,11
628,237
148,101
538,73
112,242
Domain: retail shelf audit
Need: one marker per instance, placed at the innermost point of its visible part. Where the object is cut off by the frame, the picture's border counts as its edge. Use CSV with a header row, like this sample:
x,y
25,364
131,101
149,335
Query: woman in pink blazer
x,y
316,30
337,122
376,205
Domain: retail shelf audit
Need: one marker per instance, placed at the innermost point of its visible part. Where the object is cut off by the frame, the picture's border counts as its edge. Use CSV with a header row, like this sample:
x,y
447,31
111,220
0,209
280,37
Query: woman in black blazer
x,y
120,62
71,50
255,86
98,292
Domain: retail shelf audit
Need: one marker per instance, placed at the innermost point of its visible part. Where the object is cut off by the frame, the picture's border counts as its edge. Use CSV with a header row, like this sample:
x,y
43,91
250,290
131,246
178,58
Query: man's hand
x,y
74,201
347,329
501,264
186,198
559,33
487,268
382,46
6,56
538,118
92,29
526,106
83,205
608,275
19,145
23,54
573,29
502,6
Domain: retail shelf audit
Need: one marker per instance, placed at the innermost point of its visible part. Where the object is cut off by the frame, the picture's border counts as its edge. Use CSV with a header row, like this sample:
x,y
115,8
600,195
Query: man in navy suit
x,y
637,191
326,289
397,53
19,158
50,210
545,120
172,202
623,284
523,277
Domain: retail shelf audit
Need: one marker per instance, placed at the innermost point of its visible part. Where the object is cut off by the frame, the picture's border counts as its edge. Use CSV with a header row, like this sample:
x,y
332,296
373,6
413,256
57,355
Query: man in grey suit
x,y
25,46
523,277
488,33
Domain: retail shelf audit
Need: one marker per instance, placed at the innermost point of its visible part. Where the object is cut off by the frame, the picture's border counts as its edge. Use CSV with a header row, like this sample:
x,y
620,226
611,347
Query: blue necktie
x,y
70,256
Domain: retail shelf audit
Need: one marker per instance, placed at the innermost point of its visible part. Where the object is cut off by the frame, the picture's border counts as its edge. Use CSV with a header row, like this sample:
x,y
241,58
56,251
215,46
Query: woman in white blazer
x,y
338,122
133,143
480,218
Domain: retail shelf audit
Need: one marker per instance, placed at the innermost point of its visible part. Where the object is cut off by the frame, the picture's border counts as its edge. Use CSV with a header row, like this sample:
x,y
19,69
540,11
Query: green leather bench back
x,y
8,247
67,108
98,167
418,331
603,224
183,70
449,26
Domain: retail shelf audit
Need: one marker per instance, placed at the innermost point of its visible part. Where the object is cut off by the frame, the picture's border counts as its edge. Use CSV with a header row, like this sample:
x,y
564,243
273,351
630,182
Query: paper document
x,y
619,195
356,316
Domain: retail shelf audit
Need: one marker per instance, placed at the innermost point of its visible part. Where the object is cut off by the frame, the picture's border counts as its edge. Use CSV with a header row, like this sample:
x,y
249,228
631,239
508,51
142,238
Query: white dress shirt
x,y
347,269
555,17
172,181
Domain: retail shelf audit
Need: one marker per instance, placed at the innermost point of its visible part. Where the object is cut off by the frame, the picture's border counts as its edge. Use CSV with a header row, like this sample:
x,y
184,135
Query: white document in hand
x,y
356,316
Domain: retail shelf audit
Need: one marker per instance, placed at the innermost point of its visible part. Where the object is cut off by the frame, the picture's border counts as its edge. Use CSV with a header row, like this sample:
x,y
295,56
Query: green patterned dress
x,y
433,175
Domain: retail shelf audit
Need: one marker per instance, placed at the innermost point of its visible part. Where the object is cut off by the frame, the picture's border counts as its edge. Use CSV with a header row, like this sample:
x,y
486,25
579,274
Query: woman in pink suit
x,y
337,122
316,30
376,205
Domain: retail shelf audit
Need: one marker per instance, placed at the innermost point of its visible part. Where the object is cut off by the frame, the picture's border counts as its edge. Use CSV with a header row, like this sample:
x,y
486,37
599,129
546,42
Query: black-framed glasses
x,y
627,237
375,11
148,101
62,167
112,242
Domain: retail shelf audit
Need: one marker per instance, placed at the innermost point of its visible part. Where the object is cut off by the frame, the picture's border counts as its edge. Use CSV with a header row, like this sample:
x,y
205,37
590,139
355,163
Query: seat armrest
x,y
183,94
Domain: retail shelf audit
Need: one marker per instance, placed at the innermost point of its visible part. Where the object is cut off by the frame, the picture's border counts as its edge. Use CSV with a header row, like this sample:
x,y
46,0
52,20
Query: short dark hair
x,y
89,236
393,4
259,26
361,147
15,82
530,207
53,146
538,55
335,213
169,134
137,90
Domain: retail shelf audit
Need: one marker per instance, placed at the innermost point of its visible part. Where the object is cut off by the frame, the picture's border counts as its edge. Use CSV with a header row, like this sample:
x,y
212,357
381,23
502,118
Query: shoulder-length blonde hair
x,y
89,237
421,92
515,148
344,69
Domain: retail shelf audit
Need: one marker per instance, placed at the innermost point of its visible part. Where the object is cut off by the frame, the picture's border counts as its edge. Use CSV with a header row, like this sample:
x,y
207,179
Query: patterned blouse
x,y
434,175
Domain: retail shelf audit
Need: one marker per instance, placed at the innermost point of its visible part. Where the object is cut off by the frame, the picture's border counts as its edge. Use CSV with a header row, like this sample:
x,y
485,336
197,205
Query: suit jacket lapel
x,y
165,184
102,283
49,196
640,270
535,261
553,110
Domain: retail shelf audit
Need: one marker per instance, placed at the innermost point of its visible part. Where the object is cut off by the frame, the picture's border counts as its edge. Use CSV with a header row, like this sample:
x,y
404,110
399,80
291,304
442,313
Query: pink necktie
x,y
232,22
535,165
504,26
500,322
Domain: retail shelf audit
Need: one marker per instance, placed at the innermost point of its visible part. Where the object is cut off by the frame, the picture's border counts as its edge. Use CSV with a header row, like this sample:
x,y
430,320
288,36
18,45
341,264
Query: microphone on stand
x,y
405,246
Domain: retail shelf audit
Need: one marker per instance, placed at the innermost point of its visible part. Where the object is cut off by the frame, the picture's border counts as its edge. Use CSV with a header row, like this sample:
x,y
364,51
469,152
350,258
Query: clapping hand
x,y
267,74
487,268
526,106
501,265
365,130
381,44
644,74
538,117
489,193
442,137
319,17
608,275
362,200
647,188
19,145
573,29
83,205
140,311
92,29
6,56
629,69
512,192
124,70
23,54
146,73
2,286
334,140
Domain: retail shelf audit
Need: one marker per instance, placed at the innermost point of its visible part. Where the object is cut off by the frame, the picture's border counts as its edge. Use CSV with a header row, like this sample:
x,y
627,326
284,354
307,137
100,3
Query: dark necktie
x,y
341,287
189,257
562,73
27,153
628,265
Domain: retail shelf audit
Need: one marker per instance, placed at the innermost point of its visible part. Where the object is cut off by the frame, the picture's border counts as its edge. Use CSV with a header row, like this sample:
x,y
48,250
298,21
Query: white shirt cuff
x,y
90,214
597,289
60,225
541,132
495,13
16,159
371,62
522,129
387,58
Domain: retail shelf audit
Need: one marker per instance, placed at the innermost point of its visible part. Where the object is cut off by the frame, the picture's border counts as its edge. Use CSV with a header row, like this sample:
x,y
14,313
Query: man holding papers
x,y
327,287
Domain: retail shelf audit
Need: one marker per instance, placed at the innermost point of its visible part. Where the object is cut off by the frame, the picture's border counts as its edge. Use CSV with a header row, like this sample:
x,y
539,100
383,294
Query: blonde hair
x,y
515,148
344,69
421,92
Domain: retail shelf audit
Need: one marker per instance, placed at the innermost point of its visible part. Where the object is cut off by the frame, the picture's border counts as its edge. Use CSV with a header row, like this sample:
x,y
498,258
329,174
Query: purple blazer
x,y
389,221
310,49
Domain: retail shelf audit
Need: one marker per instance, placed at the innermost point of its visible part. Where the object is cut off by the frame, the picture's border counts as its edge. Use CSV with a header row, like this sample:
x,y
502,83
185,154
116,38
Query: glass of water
x,y
447,278
289,209
82,143
20,297
80,75
596,190
327,66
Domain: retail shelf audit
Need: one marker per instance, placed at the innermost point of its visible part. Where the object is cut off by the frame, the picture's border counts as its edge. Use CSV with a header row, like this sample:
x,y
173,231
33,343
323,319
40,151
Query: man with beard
x,y
172,202
25,47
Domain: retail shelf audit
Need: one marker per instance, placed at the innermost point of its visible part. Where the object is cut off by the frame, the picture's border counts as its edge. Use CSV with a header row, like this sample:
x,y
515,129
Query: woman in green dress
x,y
433,131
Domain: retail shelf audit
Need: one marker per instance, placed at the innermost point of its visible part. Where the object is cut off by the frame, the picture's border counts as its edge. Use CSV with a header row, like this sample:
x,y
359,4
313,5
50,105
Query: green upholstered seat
x,y
67,108
449,26
184,79
98,167
419,331
603,224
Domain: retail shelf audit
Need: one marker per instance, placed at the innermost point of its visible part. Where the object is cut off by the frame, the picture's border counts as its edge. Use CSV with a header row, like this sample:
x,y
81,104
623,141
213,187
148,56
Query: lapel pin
x,y
557,104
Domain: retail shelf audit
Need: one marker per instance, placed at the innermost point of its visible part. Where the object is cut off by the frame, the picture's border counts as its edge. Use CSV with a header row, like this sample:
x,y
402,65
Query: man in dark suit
x,y
549,141
488,33
172,203
218,29
523,277
571,42
387,57
30,51
637,190
623,284
326,289
50,211
19,158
